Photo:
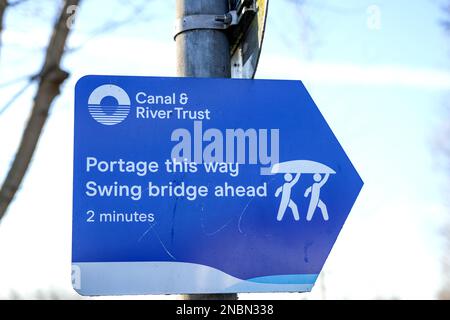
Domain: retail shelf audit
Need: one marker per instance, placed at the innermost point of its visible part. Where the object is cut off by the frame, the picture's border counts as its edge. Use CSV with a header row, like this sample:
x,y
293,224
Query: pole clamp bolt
x,y
212,21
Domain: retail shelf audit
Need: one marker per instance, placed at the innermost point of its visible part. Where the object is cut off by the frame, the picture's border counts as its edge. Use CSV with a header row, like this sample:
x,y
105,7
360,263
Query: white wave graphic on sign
x,y
109,114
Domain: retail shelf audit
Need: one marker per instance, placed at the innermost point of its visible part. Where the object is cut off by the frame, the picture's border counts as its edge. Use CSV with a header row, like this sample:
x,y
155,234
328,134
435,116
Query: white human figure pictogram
x,y
286,201
315,201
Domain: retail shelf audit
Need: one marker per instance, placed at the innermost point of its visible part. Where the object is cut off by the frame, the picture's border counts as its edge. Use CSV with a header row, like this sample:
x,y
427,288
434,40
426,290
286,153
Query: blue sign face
x,y
188,185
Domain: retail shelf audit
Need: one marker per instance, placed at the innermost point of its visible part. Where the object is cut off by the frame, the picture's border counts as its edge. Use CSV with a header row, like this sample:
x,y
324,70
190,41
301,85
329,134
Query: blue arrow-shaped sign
x,y
203,186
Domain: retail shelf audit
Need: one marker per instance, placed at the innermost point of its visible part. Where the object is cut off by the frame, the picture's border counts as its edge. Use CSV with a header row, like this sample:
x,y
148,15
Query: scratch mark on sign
x,y
245,210
146,231
209,234
305,251
162,244
242,215
172,231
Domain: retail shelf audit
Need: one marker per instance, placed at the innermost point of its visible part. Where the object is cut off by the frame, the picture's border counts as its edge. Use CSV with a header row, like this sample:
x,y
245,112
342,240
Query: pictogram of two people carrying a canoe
x,y
292,171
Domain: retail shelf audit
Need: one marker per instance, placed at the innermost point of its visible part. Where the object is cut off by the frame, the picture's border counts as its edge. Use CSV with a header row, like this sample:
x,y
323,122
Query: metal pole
x,y
203,53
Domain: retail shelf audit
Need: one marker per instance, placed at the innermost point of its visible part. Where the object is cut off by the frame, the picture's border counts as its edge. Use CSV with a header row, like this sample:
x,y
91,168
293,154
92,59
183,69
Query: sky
x,y
379,72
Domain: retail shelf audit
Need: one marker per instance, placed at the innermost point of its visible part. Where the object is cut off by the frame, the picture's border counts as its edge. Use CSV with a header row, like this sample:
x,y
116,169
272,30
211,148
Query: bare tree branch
x,y
16,3
110,26
444,145
17,80
3,5
50,79
15,97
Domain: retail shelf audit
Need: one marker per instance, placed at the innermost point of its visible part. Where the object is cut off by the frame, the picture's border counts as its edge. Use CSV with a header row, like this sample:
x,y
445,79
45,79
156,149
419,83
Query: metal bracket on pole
x,y
212,21
203,21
